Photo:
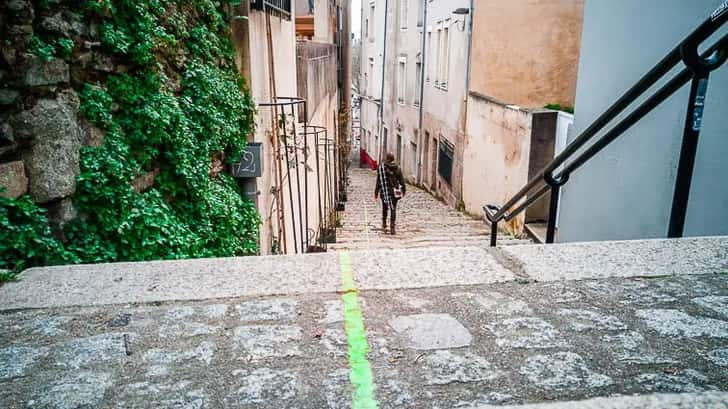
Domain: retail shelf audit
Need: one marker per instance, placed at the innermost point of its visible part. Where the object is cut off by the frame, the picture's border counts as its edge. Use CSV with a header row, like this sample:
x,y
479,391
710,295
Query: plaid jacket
x,y
389,177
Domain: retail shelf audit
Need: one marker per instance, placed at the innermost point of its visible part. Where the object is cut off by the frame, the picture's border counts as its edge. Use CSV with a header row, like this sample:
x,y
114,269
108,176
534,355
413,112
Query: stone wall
x,y
150,178
41,132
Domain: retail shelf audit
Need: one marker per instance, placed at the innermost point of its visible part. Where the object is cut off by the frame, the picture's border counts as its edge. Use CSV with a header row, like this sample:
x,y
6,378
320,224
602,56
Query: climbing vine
x,y
173,118
25,238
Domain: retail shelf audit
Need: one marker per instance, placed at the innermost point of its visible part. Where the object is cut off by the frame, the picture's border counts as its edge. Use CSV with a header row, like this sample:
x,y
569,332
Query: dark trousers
x,y
393,212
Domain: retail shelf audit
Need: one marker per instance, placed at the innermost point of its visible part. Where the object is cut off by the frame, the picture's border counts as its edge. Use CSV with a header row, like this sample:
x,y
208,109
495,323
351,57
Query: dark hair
x,y
389,158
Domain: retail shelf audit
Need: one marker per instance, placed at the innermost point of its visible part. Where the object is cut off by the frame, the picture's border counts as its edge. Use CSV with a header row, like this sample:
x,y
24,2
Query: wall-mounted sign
x,y
251,162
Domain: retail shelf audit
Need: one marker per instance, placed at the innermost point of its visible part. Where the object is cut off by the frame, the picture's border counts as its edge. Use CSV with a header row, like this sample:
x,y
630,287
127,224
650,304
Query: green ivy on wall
x,y
179,103
25,238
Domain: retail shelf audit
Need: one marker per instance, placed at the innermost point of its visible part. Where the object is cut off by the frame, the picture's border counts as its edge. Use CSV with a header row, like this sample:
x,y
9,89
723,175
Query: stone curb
x,y
708,400
123,283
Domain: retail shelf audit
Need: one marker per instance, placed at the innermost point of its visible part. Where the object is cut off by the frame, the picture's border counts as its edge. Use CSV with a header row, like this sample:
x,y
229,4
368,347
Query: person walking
x,y
391,186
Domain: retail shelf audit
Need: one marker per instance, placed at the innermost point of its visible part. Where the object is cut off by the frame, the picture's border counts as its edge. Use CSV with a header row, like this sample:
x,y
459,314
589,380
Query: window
x,y
371,71
445,56
418,79
428,57
366,28
365,87
403,14
402,80
413,156
438,56
370,22
420,12
399,149
445,155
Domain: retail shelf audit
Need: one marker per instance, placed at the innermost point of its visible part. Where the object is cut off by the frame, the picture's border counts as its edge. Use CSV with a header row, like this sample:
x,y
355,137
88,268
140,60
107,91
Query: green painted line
x,y
360,371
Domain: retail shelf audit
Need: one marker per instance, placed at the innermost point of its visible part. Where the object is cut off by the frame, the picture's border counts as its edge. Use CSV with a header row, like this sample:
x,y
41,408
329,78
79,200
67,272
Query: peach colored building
x,y
524,56
526,52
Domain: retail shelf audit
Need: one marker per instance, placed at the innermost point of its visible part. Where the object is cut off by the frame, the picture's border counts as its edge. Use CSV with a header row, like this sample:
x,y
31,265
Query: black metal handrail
x,y
698,69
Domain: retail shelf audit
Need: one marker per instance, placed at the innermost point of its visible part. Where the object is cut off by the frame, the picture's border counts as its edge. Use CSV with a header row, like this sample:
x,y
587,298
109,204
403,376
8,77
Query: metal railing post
x,y
686,165
493,234
553,211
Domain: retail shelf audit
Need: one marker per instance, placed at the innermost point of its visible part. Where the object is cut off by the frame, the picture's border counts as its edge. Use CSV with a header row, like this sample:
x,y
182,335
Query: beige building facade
x,y
527,53
460,81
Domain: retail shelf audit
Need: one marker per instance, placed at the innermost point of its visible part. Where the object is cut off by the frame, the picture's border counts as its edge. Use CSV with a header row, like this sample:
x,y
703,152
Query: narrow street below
x,y
422,221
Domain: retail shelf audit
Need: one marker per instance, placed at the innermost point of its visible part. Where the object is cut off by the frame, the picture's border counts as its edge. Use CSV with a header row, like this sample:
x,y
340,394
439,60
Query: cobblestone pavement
x,y
422,220
445,347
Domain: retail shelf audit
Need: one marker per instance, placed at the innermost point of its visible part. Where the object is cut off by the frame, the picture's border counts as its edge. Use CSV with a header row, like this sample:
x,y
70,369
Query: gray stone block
x,y
8,96
267,310
51,131
268,341
525,332
55,24
39,72
262,385
562,370
60,214
447,367
83,389
13,179
576,261
432,331
709,400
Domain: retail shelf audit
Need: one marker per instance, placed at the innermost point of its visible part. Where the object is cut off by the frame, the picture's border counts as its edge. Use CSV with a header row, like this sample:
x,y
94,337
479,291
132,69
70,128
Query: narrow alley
x,y
188,217
422,221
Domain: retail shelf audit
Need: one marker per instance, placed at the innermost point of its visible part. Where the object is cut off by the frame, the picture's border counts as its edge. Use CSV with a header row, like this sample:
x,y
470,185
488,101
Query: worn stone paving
x,y
422,221
445,347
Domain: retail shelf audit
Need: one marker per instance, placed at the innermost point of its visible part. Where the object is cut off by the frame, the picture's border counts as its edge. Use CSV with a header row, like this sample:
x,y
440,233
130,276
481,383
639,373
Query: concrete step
x,y
401,231
380,243
600,325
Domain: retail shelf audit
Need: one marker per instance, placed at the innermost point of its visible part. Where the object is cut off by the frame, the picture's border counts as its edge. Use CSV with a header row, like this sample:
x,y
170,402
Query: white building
x,y
391,115
626,191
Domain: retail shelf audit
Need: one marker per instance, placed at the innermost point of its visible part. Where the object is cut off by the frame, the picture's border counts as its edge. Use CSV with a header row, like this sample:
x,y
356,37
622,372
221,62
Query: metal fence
x,y
278,7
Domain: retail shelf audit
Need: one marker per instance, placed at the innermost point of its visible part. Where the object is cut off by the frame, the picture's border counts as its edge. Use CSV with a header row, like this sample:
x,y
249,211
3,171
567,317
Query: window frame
x,y
372,19
403,6
428,57
418,82
402,80
438,61
445,74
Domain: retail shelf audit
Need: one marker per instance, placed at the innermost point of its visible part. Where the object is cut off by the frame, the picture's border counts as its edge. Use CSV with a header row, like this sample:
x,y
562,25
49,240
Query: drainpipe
x,y
384,65
423,67
467,57
345,107
467,82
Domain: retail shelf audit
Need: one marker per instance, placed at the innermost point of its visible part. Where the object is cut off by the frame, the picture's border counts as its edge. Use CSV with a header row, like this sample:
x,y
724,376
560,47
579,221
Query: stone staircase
x,y
422,221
